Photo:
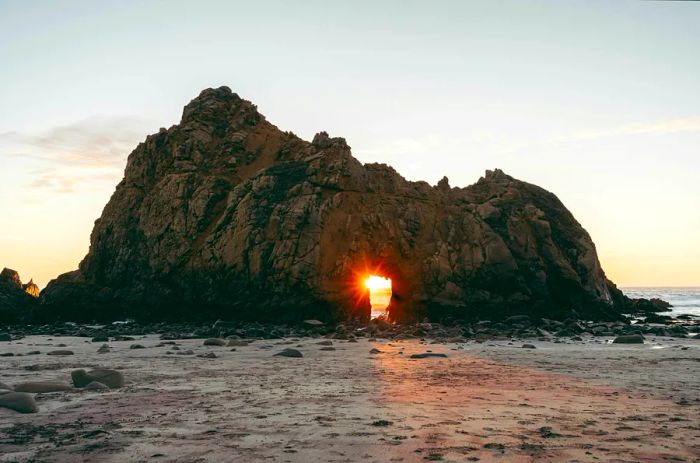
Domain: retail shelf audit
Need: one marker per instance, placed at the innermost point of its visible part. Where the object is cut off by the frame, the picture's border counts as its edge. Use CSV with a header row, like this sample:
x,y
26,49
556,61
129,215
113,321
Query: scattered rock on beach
x,y
96,386
18,401
288,353
237,343
528,346
104,348
4,386
136,346
38,387
214,342
375,351
426,355
208,355
327,348
110,378
60,352
629,339
325,343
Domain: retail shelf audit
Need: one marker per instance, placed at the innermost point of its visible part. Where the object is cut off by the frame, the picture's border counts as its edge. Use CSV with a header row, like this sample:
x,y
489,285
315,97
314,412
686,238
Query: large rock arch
x,y
224,215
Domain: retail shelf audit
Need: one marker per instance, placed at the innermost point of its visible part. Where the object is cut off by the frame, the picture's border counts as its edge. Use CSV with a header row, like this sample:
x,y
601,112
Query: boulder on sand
x,y
110,378
38,387
96,386
288,353
629,339
19,402
214,342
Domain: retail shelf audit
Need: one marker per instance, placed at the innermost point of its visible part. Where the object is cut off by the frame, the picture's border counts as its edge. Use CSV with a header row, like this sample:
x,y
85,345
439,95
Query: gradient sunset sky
x,y
598,102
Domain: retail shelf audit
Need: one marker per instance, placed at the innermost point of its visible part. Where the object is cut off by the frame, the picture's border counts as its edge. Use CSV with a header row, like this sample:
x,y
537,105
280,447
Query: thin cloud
x,y
669,126
69,156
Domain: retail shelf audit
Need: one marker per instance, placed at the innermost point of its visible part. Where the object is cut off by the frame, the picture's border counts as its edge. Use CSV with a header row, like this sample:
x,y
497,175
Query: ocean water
x,y
683,300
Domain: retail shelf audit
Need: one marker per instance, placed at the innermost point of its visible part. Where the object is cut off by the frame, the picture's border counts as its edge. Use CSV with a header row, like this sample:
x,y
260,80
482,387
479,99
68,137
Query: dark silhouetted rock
x,y
226,216
17,301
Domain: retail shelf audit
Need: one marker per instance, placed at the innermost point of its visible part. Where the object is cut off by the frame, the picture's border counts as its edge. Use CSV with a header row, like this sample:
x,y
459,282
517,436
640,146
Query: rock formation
x,y
226,216
17,301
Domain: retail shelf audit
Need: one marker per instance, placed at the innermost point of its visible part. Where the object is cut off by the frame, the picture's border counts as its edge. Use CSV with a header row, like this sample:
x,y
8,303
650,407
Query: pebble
x,y
528,346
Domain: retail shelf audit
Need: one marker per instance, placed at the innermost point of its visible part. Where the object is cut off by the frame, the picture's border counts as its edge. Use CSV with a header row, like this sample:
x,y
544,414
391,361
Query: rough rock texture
x,y
224,215
17,301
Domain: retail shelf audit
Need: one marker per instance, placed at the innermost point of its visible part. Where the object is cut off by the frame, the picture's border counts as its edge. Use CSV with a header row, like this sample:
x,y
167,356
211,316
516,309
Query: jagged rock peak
x,y
496,175
444,184
322,140
11,277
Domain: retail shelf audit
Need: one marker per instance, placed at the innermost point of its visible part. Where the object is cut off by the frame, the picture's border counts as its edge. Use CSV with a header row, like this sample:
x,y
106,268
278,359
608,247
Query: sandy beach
x,y
491,401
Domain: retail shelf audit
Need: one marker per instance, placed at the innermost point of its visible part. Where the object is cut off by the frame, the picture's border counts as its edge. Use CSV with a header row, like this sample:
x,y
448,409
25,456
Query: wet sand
x,y
579,401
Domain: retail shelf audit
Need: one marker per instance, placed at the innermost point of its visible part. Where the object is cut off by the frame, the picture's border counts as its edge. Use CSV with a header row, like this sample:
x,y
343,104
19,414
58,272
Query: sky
x,y
596,101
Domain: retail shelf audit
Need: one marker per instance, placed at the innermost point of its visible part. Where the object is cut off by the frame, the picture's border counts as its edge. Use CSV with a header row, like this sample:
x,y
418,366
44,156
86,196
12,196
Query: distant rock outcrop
x,y
226,216
17,301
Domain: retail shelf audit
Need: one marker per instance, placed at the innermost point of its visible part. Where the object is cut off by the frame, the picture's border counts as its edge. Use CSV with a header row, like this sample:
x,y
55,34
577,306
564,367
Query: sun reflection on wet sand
x,y
465,406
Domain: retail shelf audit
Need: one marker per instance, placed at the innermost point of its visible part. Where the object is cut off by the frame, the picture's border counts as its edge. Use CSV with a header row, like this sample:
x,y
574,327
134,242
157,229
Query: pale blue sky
x,y
595,101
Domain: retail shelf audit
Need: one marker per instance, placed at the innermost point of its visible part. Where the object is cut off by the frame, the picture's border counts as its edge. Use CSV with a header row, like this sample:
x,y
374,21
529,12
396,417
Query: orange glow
x,y
379,294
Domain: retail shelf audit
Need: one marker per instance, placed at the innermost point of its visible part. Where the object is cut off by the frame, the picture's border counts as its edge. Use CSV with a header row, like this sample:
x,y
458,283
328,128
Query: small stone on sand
x,y
60,352
426,355
288,353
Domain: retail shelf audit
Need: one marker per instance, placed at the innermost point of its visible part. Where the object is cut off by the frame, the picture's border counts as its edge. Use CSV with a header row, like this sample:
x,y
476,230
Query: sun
x,y
375,283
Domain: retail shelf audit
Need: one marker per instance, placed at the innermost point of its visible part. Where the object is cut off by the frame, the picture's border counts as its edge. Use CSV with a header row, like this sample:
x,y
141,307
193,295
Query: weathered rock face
x,y
17,301
224,215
